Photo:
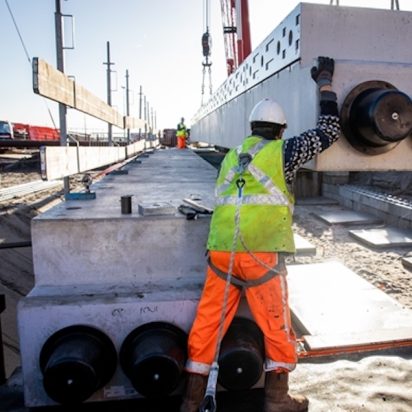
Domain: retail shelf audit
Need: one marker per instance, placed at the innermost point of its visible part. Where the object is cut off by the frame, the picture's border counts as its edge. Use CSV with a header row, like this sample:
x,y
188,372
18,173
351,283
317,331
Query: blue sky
x,y
158,41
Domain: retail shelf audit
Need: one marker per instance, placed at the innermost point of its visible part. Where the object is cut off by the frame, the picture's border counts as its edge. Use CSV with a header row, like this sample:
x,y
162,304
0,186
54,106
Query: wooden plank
x,y
133,123
90,104
53,84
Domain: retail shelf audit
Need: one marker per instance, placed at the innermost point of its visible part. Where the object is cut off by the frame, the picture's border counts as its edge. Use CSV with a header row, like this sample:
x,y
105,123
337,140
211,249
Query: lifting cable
x,y
209,401
206,49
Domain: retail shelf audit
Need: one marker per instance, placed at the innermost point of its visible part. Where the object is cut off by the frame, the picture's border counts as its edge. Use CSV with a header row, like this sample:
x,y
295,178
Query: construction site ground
x,y
382,382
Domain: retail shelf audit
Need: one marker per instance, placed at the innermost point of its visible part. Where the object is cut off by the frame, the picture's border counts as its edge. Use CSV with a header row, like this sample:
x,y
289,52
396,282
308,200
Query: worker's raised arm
x,y
301,149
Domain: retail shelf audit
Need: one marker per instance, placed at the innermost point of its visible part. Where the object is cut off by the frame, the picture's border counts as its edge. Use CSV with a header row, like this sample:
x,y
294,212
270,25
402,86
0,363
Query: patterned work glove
x,y
323,74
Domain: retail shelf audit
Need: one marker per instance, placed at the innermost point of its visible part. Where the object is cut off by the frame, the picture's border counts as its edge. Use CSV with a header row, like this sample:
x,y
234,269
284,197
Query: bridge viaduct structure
x,y
116,288
372,80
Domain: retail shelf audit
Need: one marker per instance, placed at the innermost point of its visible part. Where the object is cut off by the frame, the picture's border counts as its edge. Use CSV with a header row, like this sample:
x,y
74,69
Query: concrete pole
x,y
145,117
148,116
109,91
127,104
140,109
60,66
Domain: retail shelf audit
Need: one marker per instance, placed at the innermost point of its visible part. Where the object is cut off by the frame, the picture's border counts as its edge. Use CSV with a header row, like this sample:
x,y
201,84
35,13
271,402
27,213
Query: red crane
x,y
236,30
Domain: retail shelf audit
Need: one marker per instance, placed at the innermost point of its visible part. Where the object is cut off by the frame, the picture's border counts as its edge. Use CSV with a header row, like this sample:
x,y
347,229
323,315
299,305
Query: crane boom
x,y
236,30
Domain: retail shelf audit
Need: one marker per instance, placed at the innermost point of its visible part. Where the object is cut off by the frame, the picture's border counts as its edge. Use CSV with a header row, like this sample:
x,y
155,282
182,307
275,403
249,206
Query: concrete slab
x,y
383,237
334,307
407,262
316,201
127,248
346,217
303,246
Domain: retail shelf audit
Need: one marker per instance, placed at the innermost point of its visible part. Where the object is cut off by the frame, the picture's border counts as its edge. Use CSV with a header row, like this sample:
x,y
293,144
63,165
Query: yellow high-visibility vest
x,y
266,203
181,130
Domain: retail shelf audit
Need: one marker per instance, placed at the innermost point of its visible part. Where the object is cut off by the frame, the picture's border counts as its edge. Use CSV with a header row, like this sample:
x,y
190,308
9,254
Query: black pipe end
x,y
376,117
241,355
76,361
153,358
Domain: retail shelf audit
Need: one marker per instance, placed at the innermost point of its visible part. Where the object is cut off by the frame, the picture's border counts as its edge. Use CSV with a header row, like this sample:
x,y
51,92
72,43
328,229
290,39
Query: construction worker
x,y
250,233
181,134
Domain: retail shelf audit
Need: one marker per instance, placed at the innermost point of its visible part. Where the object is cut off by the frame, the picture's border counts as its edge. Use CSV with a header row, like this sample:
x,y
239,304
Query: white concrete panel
x,y
346,217
330,301
363,34
383,237
61,161
316,201
367,44
303,246
407,262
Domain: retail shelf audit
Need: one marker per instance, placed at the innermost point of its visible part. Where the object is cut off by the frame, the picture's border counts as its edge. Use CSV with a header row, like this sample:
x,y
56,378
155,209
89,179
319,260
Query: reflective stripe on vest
x,y
266,203
275,196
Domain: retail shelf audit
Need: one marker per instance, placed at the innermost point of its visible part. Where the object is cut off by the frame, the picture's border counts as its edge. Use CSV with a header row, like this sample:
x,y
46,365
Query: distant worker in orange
x,y
250,234
181,134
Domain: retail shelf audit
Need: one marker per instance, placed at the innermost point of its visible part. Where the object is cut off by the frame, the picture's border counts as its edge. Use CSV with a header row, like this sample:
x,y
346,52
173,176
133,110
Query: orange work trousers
x,y
268,303
181,142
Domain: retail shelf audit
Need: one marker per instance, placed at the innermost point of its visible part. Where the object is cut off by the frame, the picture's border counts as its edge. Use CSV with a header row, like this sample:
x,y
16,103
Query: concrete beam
x,y
61,161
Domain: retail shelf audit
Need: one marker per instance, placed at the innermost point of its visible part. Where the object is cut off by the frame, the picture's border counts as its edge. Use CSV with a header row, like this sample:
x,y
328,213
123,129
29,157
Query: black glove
x,y
323,74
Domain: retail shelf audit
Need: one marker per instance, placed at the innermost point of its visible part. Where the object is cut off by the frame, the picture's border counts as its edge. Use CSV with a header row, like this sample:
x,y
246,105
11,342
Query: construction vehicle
x,y
23,131
6,130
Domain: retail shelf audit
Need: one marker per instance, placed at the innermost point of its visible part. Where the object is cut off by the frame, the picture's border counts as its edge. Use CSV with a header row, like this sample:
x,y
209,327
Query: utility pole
x,y
140,109
127,104
109,91
148,116
145,117
60,66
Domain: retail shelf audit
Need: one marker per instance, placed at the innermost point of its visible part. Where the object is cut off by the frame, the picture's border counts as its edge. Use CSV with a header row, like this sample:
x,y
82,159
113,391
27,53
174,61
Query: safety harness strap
x,y
242,284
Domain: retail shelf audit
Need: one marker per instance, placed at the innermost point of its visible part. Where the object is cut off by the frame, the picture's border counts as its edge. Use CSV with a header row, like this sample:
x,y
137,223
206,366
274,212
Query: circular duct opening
x,y
75,362
153,357
241,355
376,117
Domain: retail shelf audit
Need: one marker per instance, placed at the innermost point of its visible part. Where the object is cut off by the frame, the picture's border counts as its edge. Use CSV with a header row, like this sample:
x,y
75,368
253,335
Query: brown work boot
x,y
277,398
195,391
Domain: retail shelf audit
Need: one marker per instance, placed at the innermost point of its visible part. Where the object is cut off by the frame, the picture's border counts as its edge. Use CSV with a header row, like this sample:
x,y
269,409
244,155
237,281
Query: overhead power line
x,y
18,31
28,56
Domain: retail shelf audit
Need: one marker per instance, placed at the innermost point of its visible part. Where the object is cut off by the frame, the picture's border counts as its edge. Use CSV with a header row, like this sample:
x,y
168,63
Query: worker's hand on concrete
x,y
322,73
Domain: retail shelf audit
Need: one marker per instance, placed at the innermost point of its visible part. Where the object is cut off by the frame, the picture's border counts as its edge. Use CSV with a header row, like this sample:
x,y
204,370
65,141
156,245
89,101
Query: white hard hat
x,y
269,111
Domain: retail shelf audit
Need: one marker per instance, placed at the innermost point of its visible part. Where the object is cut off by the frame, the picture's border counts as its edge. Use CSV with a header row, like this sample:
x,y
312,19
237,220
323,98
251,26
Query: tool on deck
x,y
87,180
193,209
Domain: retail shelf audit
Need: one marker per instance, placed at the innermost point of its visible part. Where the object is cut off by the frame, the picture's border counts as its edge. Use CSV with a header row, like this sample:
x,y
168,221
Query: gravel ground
x,y
372,384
